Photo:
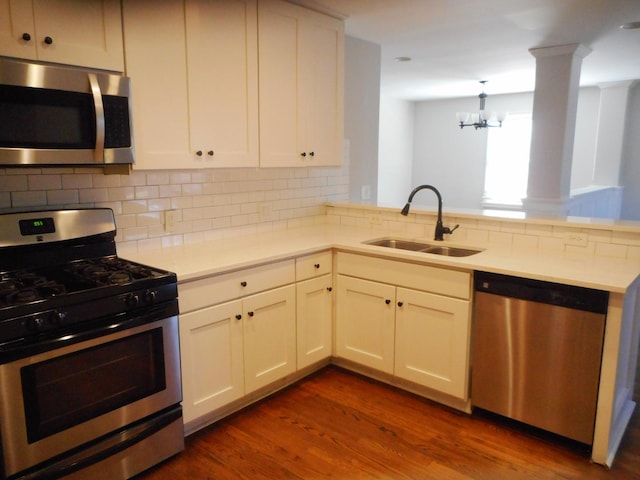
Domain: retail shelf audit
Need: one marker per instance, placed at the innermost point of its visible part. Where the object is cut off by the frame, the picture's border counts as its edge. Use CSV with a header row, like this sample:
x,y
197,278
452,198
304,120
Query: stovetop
x,y
60,273
29,285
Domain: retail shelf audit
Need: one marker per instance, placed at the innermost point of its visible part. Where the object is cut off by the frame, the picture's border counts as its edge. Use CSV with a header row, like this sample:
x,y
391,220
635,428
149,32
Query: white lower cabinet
x,y
269,326
212,358
432,340
314,303
365,321
417,335
230,346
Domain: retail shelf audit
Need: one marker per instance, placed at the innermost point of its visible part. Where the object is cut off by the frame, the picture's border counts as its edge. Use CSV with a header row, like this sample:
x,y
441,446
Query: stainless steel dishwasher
x,y
537,348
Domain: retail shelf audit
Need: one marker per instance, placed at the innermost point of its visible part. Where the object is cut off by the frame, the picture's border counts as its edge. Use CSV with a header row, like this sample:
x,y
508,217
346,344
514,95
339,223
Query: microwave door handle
x,y
98,153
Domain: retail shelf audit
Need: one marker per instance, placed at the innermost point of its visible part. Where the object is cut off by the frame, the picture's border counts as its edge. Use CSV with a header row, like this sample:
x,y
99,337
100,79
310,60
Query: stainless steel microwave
x,y
54,115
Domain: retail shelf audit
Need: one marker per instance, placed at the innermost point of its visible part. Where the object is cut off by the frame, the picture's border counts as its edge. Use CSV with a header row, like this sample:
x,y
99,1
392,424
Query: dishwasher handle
x,y
569,296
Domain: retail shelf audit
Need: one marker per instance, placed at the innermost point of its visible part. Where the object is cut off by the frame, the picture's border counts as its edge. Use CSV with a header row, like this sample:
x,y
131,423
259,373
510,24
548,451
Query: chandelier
x,y
481,119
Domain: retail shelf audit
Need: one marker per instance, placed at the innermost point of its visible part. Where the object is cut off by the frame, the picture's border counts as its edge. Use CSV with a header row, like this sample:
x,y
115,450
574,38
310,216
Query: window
x,y
507,168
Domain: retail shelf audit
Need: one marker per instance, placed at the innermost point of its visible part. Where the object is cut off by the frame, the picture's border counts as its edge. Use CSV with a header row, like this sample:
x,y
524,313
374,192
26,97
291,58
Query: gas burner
x,y
7,286
119,278
30,278
24,295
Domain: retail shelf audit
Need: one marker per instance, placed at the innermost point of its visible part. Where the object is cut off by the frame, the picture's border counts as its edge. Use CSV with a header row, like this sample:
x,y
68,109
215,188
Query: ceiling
x,y
453,44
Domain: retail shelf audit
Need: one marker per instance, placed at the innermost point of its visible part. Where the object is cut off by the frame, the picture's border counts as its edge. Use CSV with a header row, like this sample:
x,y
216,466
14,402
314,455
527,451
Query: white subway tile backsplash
x,y
45,182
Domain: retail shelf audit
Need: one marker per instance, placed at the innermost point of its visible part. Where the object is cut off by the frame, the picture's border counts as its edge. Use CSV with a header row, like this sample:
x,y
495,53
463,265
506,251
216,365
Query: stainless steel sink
x,y
401,244
451,251
422,247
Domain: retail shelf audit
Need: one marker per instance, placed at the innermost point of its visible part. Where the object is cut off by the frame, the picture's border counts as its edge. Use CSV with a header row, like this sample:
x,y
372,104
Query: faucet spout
x,y
440,230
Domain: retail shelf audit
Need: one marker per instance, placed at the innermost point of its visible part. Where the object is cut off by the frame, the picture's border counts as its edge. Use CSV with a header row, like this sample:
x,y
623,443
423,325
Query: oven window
x,y
44,118
71,389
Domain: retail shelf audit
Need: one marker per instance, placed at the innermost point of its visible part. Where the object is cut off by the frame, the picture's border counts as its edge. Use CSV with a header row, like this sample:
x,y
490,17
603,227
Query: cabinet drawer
x,y
227,286
443,281
315,265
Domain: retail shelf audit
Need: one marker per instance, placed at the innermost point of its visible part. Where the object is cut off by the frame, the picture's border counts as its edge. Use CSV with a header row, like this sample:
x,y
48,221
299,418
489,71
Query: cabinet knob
x,y
329,289
199,153
48,40
387,301
210,153
244,284
238,317
317,265
26,36
303,154
400,304
250,314
312,154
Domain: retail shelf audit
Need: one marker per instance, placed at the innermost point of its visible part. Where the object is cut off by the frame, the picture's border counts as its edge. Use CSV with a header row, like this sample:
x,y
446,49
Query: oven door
x,y
55,401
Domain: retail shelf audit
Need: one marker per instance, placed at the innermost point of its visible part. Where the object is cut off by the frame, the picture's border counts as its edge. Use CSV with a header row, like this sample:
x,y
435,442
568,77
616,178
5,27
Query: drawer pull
x,y
317,265
238,317
250,314
329,289
244,284
387,301
400,304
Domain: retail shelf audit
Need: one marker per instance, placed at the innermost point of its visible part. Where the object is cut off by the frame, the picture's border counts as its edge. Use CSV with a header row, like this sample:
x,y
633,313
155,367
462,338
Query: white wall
x,y
395,153
453,159
362,103
631,159
584,146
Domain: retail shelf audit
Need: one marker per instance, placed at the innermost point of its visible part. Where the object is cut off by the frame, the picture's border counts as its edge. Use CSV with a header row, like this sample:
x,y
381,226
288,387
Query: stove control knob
x,y
133,300
150,296
59,318
35,324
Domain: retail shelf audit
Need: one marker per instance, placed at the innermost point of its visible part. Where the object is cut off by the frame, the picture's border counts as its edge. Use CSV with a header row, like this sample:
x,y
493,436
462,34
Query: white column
x,y
612,116
555,103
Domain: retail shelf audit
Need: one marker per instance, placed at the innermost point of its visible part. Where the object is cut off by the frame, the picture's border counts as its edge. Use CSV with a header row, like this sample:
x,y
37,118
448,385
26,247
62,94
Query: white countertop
x,y
209,258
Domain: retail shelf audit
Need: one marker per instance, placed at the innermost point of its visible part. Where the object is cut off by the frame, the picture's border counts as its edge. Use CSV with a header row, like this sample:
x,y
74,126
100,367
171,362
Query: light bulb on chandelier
x,y
482,118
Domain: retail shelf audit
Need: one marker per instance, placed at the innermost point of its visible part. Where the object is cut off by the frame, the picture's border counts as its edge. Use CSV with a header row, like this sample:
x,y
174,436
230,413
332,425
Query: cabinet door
x,y
314,302
365,322
222,59
156,62
81,33
212,358
269,324
322,60
301,70
432,341
16,20
63,31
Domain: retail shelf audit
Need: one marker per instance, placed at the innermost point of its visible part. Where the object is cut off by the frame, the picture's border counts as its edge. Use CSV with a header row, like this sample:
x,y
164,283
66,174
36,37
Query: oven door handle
x,y
15,351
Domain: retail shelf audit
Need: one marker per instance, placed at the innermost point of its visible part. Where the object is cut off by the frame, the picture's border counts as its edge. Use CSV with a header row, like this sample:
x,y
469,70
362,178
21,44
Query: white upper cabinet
x,y
154,39
222,62
63,31
193,67
301,72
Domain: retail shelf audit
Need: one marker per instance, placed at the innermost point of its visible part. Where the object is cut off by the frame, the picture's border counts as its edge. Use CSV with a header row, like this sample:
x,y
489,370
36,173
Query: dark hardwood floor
x,y
336,424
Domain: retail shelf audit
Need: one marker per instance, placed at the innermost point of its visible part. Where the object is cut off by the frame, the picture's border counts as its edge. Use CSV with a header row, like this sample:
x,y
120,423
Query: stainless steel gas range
x,y
89,351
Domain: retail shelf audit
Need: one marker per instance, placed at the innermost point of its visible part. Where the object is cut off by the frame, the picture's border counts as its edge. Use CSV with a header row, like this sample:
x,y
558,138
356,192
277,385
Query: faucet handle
x,y
448,230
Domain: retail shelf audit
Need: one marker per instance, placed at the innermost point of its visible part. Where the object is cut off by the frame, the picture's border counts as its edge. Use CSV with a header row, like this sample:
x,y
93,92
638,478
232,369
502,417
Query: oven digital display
x,y
37,226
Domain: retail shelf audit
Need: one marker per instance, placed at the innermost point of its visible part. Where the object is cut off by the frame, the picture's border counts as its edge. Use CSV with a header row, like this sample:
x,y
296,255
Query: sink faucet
x,y
440,230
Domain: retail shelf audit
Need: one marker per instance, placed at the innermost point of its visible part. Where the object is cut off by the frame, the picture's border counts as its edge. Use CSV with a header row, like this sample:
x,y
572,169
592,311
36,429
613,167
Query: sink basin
x,y
401,244
422,247
451,251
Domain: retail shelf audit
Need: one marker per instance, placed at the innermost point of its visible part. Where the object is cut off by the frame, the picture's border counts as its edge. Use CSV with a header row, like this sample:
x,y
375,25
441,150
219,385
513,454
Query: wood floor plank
x,y
340,425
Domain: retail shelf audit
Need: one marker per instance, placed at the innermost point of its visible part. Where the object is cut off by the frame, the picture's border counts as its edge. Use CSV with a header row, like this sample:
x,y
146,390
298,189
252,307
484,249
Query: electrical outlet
x,y
577,239
170,220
